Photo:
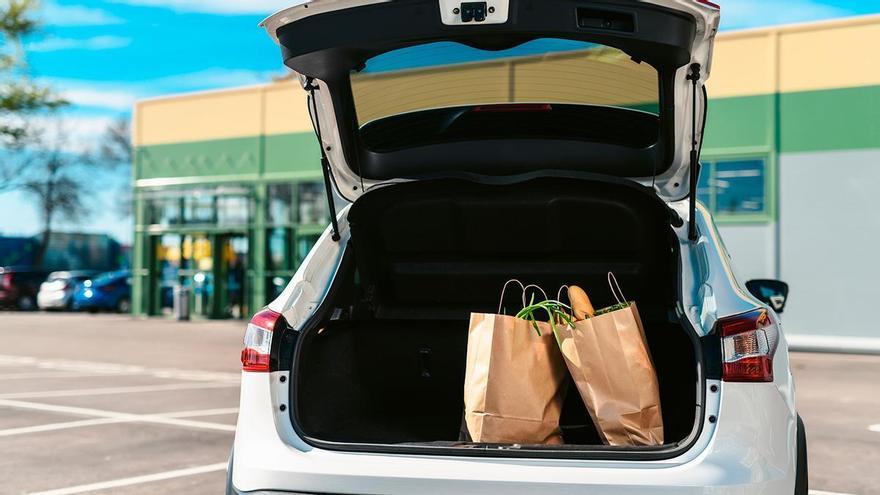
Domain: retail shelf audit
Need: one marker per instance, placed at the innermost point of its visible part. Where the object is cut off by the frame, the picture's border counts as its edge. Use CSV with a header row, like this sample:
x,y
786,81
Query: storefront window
x,y
278,249
312,205
280,199
734,187
198,208
233,210
163,211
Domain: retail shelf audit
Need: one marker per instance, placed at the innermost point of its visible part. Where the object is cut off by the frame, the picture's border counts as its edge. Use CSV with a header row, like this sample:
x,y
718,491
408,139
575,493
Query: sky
x,y
103,55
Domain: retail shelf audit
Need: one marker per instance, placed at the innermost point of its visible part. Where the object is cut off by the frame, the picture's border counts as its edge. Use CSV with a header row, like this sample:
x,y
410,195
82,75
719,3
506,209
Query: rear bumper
x,y
751,448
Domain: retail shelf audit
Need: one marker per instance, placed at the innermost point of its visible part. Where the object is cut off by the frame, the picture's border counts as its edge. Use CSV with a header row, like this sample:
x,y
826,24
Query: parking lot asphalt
x,y
109,404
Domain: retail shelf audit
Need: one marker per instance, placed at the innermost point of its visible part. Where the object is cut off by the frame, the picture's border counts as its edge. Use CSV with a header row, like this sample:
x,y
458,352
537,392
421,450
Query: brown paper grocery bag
x,y
608,358
514,379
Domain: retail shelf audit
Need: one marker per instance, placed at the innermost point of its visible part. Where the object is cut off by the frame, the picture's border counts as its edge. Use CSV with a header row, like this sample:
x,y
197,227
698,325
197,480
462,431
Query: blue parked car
x,y
110,291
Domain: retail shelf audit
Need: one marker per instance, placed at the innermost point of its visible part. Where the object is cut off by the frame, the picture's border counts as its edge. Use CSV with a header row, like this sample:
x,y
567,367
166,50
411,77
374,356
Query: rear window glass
x,y
542,71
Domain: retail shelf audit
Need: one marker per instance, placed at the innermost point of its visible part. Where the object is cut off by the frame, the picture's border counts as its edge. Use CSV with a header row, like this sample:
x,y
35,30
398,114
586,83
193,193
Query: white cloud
x,y
93,43
118,100
120,96
74,133
265,7
739,14
78,15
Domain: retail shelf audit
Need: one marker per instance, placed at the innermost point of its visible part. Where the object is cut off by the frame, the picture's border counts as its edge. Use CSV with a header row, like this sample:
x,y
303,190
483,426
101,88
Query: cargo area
x,y
383,361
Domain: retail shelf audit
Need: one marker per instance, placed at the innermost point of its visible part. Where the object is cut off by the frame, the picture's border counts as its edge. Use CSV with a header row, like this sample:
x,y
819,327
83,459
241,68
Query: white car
x,y
57,291
550,141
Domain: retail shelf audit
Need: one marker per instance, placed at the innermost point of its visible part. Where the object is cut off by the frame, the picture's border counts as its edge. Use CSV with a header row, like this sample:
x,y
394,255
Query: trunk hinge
x,y
694,77
325,163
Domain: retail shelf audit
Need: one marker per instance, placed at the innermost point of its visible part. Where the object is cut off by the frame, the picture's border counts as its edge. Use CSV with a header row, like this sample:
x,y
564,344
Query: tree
x,y
117,152
20,98
116,148
54,182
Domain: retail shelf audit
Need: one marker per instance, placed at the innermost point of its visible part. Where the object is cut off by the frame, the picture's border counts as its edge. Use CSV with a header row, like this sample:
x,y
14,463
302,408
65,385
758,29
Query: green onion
x,y
554,309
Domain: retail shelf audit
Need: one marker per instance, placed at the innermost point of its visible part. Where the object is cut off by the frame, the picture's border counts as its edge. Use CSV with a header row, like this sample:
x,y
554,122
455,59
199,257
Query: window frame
x,y
709,161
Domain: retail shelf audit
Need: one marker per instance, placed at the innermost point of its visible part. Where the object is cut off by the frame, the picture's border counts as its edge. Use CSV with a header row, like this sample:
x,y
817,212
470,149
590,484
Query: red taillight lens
x,y
6,281
258,341
709,4
748,342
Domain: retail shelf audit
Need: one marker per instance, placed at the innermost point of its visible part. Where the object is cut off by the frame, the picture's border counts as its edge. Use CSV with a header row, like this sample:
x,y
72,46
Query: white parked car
x,y
547,140
57,291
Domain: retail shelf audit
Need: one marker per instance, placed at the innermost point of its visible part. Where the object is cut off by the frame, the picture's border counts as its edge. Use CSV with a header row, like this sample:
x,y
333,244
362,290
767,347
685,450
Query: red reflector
x,y
748,342
709,4
258,341
253,360
514,107
751,369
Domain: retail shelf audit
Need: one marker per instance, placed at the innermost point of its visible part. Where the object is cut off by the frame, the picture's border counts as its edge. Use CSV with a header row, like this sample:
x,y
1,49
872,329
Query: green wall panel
x,y
292,153
203,158
837,119
740,122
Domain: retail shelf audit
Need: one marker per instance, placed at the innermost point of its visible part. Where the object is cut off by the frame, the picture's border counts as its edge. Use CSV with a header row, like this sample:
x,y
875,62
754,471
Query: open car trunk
x,y
382,363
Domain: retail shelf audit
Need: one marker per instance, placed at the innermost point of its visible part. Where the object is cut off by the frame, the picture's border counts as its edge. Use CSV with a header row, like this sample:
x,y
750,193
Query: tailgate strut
x,y
325,163
694,77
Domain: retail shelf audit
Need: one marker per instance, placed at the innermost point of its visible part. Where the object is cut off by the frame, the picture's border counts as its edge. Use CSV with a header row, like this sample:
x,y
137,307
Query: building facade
x,y
229,193
229,198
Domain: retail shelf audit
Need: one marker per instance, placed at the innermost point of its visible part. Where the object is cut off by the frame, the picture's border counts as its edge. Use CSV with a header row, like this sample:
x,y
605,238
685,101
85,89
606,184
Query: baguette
x,y
580,303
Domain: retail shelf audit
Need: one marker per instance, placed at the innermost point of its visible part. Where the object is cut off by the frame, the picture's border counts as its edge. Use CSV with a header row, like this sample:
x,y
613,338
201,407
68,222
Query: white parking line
x,y
874,428
113,368
163,419
116,390
108,420
136,480
55,374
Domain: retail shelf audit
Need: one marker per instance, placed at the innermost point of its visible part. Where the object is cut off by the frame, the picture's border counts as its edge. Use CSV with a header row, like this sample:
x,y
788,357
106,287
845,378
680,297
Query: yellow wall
x,y
800,57
276,108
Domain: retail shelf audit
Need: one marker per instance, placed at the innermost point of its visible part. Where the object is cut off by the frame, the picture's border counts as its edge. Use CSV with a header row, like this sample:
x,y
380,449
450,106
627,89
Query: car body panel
x,y
19,286
104,292
751,451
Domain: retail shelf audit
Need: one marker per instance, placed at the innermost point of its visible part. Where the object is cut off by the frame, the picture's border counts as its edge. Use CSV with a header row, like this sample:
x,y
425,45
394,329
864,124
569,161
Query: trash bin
x,y
181,303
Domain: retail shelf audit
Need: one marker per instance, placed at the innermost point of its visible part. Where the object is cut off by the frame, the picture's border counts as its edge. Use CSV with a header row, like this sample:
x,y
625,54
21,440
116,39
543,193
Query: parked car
x,y
110,291
57,291
550,141
19,286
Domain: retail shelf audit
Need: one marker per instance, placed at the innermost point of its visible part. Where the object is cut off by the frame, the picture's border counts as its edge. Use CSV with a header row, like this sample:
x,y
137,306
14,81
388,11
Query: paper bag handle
x,y
559,298
524,289
612,284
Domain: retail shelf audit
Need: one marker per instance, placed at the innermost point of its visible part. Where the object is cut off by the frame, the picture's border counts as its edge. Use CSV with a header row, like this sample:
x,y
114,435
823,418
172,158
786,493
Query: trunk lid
x,y
415,89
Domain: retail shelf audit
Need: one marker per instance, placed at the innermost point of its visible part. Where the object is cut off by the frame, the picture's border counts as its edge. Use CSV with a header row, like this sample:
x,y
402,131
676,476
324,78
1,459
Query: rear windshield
x,y
542,89
575,80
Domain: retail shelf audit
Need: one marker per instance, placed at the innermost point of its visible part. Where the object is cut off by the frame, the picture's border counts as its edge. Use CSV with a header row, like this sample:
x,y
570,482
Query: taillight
x,y
709,4
258,341
6,281
748,342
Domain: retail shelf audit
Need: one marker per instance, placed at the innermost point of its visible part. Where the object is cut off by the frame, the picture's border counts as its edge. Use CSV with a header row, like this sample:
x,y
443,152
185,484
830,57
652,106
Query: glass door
x,y
231,276
197,273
